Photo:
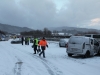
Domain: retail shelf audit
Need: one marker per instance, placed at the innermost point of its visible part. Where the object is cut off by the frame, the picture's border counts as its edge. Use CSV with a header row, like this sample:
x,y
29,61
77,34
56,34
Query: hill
x,y
13,29
72,30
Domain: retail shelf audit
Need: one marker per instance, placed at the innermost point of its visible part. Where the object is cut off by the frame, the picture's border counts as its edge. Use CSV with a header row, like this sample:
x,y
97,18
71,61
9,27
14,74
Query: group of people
x,y
26,39
39,46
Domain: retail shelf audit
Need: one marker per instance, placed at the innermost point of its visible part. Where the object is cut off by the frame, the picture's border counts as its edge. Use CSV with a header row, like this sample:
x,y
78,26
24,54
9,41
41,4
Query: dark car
x,y
31,40
16,41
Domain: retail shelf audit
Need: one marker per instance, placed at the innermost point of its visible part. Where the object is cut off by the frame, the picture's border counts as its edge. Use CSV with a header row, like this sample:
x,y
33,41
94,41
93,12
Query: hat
x,y
43,37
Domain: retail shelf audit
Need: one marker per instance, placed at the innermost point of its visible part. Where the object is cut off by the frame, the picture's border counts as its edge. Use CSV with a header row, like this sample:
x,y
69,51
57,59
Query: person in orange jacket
x,y
43,44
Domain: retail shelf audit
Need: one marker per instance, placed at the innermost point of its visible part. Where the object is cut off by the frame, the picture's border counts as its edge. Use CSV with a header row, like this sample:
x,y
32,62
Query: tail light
x,y
67,45
83,45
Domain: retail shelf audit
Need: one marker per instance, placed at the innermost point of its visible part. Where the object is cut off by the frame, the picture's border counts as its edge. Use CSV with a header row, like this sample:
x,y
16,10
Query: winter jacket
x,y
36,41
43,43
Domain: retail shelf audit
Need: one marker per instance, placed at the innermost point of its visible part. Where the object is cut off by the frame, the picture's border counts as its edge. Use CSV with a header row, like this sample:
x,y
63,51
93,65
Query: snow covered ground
x,y
16,59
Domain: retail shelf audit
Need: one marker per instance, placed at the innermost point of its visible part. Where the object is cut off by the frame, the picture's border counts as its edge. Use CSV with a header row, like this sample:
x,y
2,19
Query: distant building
x,y
61,35
2,37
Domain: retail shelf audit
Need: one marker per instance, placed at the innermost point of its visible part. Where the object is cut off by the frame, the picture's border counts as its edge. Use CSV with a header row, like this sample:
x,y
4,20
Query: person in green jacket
x,y
28,39
35,44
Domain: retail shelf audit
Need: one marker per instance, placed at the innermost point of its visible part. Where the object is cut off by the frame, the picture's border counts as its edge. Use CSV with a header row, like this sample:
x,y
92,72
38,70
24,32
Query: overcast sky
x,y
38,14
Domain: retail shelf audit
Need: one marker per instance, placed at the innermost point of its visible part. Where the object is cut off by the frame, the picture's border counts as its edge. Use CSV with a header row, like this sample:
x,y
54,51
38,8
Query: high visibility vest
x,y
36,43
28,39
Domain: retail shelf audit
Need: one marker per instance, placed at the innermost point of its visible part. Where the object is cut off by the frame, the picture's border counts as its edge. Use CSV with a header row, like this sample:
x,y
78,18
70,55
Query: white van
x,y
81,45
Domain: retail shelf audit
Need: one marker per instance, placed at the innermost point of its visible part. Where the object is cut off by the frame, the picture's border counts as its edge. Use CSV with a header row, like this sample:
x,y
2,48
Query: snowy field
x,y
16,59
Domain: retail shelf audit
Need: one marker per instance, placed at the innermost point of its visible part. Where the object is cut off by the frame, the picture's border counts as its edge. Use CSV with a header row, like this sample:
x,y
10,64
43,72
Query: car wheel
x,y
98,53
59,45
70,54
87,54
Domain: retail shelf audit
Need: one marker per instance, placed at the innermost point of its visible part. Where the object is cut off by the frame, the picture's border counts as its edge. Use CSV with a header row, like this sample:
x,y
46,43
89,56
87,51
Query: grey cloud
x,y
10,13
42,11
29,13
38,14
80,11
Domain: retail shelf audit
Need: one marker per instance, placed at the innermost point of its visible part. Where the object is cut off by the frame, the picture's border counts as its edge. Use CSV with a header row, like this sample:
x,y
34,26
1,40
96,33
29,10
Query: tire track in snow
x,y
17,68
46,63
49,69
69,69
55,71
20,50
52,70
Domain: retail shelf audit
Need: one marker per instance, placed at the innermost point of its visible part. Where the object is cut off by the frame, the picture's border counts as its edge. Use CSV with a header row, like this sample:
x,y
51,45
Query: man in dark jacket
x,y
22,40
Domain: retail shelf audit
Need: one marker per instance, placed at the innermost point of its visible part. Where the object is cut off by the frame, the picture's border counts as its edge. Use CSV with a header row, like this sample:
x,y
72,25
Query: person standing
x,y
35,44
22,40
38,50
43,44
25,40
28,39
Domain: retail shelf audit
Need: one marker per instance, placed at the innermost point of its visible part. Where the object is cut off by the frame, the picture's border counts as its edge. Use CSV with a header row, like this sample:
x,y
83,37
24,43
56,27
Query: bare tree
x,y
55,32
65,31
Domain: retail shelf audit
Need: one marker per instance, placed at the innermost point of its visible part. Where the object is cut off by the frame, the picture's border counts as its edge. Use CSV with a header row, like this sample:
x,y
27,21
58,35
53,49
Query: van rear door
x,y
96,46
75,44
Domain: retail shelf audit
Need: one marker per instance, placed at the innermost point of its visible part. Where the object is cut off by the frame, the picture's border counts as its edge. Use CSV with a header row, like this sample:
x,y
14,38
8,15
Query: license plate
x,y
74,49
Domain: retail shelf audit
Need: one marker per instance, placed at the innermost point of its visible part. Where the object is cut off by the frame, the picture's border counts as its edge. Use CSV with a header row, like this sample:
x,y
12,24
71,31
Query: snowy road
x,y
20,60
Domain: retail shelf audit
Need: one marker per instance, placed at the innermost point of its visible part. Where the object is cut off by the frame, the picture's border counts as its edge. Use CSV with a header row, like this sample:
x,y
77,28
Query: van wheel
x,y
98,53
87,54
70,54
59,45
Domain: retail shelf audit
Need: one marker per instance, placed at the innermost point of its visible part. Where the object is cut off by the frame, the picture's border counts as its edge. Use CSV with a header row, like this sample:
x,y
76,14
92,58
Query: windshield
x,y
76,40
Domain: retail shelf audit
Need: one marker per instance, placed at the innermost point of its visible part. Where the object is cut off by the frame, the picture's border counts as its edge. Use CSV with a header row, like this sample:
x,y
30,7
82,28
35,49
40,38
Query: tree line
x,y
38,33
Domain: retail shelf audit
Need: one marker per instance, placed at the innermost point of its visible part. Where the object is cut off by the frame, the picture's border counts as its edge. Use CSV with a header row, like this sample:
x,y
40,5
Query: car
x,y
2,37
16,41
63,42
84,46
31,40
